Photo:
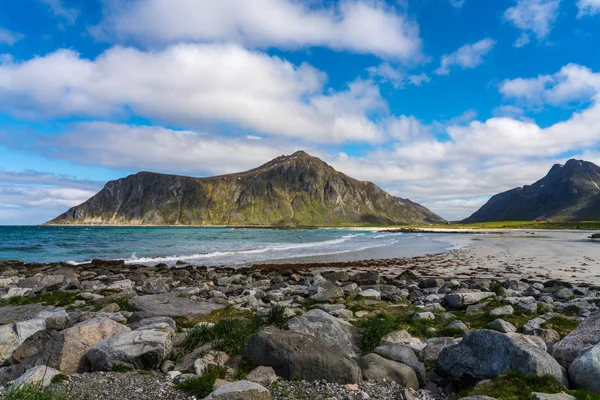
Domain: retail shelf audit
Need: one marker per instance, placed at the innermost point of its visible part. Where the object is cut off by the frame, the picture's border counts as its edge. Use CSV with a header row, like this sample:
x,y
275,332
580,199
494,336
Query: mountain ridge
x,y
290,190
568,193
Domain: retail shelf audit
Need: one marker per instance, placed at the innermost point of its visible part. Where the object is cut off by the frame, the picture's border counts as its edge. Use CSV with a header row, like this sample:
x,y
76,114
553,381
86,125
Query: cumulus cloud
x,y
361,26
467,57
191,84
8,37
588,7
533,16
572,83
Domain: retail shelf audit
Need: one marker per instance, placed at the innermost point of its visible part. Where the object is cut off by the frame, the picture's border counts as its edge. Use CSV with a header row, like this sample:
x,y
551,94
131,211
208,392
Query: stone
x,y
501,311
486,354
462,300
585,370
434,346
530,326
31,347
262,375
424,316
240,390
154,322
529,339
169,305
502,326
42,282
431,283
584,336
552,396
335,276
111,308
300,356
376,368
366,278
563,294
329,329
120,286
403,354
344,314
12,335
55,318
17,292
39,377
327,292
458,325
370,294
154,286
400,337
68,349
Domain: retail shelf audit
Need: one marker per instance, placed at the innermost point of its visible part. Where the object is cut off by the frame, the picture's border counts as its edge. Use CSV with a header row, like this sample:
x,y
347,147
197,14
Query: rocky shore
x,y
363,330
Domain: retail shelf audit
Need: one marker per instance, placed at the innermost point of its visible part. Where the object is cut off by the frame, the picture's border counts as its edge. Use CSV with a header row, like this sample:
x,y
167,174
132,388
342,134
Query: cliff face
x,y
296,190
567,193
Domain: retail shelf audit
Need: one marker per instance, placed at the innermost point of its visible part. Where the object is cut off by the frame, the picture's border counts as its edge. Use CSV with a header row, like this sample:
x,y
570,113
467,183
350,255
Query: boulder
x,y
68,349
486,354
42,282
154,322
434,346
366,278
31,347
403,354
12,335
169,305
585,370
39,376
329,329
376,368
240,390
501,311
295,355
587,334
141,349
502,326
370,294
462,300
155,286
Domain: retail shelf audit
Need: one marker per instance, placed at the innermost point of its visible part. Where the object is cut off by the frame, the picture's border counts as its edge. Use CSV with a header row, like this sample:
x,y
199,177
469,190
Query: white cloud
x,y
190,85
58,8
127,147
534,16
8,37
572,83
361,26
404,128
467,57
396,76
588,7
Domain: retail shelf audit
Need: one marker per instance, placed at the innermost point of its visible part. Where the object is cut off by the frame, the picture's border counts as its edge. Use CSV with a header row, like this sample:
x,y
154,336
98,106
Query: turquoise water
x,y
209,246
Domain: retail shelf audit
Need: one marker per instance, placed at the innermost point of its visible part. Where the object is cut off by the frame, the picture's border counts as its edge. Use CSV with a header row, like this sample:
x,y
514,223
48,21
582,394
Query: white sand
x,y
540,254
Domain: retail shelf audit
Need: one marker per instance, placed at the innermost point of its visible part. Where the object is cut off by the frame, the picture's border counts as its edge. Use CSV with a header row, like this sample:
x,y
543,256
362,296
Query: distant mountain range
x,y
294,190
569,192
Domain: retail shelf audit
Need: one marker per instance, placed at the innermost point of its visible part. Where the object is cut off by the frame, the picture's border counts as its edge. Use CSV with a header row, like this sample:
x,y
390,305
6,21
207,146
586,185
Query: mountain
x,y
294,190
569,192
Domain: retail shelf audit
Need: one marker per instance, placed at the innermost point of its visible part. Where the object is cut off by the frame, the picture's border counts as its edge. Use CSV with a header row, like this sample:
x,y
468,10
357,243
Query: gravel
x,y
120,386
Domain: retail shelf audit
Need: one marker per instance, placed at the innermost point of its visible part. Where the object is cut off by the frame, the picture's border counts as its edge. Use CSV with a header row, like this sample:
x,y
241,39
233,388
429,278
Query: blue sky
x,y
446,102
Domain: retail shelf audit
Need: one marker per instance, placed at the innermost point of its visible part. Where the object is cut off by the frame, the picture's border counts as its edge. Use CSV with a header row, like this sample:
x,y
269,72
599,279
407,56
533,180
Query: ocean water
x,y
211,246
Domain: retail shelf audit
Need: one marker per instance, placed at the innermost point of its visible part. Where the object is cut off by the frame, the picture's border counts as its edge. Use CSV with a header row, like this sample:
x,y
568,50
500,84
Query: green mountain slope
x,y
295,190
569,192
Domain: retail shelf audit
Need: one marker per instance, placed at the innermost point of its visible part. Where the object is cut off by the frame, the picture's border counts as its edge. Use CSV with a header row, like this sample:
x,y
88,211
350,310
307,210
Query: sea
x,y
214,246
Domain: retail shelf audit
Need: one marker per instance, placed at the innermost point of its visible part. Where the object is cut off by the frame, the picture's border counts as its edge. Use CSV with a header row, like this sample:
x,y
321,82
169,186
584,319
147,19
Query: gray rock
x,y
552,396
153,322
12,335
39,377
433,347
462,300
370,293
31,347
501,311
41,281
533,324
262,375
585,370
563,294
240,390
501,325
366,278
141,349
169,305
155,286
458,325
403,354
584,336
67,350
427,316
327,291
487,354
376,368
329,329
296,355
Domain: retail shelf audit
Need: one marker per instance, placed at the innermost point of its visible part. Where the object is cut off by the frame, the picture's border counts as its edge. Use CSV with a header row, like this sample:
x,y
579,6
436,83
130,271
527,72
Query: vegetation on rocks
x,y
277,317
33,393
203,385
57,298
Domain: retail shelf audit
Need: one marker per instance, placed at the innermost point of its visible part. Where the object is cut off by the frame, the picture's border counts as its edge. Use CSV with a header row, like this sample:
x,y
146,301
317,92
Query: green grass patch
x,y
33,393
214,317
57,298
59,378
373,329
498,289
516,385
561,324
202,386
277,317
229,335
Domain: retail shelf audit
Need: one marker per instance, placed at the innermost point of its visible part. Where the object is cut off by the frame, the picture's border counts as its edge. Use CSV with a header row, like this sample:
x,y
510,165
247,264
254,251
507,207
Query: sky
x,y
445,102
